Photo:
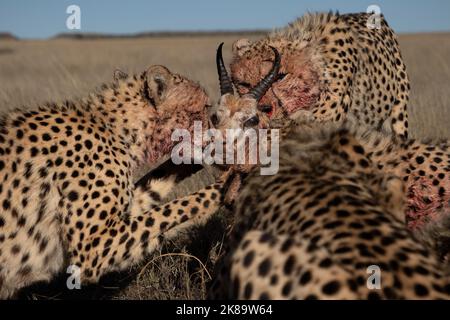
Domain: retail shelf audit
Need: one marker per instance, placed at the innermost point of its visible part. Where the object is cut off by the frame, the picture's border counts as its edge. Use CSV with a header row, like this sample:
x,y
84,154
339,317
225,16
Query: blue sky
x,y
45,18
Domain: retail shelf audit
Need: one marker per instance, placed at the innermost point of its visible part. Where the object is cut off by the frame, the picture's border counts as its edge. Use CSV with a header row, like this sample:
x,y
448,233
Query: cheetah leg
x,y
151,194
125,242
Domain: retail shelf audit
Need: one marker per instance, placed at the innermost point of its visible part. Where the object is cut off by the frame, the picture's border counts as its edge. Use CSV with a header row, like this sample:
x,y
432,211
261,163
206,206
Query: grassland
x,y
33,72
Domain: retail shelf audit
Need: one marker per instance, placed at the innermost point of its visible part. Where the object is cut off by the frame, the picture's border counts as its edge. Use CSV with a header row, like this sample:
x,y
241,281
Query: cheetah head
x,y
297,86
154,105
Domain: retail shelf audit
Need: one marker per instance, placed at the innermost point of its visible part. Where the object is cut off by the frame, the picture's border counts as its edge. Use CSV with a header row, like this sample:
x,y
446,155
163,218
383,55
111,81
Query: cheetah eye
x,y
265,108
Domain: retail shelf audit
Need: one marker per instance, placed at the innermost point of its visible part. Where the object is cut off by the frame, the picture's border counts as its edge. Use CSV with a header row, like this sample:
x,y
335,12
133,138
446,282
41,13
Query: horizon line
x,y
76,35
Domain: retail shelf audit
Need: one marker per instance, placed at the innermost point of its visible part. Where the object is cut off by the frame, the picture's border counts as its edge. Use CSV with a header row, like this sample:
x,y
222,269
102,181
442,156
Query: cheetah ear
x,y
156,82
241,46
119,75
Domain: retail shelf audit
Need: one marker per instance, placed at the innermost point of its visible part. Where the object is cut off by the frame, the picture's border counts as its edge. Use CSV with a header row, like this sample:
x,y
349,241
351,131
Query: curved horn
x,y
260,89
224,79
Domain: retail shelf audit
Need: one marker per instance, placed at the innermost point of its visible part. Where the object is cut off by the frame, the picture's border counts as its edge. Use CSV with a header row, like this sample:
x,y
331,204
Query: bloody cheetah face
x,y
178,103
296,86
155,104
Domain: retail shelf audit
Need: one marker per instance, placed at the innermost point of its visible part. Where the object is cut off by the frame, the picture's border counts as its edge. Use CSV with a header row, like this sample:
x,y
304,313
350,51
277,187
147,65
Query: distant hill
x,y
7,36
156,34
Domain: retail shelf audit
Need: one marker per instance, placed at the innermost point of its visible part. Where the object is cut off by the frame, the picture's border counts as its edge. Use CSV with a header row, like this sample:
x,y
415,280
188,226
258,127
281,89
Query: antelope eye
x,y
215,119
281,76
252,122
265,108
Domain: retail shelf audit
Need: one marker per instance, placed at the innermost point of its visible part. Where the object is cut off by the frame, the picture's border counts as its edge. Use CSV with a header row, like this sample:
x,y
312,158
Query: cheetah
x,y
67,195
332,66
315,229
424,167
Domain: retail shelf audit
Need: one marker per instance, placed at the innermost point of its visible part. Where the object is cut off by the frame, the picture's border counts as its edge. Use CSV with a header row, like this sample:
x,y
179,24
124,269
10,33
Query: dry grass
x,y
36,71
33,72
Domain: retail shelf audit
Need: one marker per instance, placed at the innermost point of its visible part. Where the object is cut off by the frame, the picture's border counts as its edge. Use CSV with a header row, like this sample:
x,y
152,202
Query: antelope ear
x,y
157,80
119,75
241,46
